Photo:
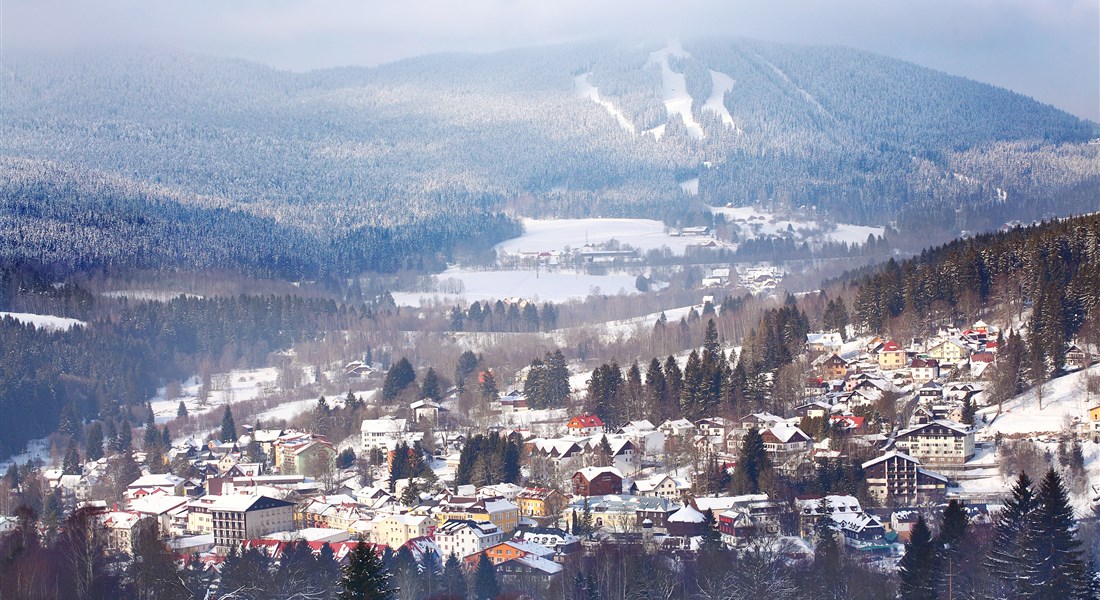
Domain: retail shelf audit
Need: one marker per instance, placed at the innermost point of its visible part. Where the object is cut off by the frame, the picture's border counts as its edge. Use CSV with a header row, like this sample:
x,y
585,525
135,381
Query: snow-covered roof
x,y
383,426
157,504
953,426
888,456
590,473
156,480
687,514
535,562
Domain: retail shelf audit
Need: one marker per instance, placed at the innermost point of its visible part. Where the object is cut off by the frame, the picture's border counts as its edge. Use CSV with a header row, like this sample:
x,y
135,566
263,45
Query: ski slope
x,y
587,90
677,100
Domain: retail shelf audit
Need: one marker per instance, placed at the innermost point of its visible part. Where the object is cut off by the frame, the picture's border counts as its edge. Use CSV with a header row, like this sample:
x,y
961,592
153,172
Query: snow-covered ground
x,y
555,286
1063,400
148,295
586,89
48,322
677,99
721,84
755,222
235,386
557,234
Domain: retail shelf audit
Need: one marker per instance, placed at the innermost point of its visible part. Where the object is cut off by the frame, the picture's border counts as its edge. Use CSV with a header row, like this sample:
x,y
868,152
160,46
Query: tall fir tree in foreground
x,y
1008,559
365,576
485,579
1059,569
918,568
828,566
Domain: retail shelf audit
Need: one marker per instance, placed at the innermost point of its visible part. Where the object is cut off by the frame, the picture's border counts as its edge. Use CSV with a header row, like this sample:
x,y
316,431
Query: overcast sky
x,y
1048,49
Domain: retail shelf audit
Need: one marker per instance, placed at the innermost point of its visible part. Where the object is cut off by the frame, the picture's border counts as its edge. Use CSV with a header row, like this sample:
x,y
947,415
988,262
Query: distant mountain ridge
x,y
860,137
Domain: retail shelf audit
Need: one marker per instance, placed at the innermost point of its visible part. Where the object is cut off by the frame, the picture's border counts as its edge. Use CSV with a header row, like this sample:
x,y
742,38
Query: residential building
x,y
660,485
950,351
786,439
382,433
597,481
396,530
511,549
923,370
898,479
939,442
891,356
498,511
585,425
306,457
238,518
464,538
540,502
833,367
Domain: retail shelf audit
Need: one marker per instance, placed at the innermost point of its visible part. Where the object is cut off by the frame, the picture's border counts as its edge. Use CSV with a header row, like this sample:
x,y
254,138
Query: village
x,y
574,484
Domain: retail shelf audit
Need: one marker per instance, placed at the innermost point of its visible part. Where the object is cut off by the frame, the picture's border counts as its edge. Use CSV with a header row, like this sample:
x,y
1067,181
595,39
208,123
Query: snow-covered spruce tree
x,y
365,576
1059,569
1008,559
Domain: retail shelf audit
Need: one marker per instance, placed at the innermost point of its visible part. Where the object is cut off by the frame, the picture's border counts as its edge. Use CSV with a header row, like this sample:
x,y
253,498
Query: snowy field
x,y
557,234
147,295
758,223
48,322
557,286
1063,400
235,386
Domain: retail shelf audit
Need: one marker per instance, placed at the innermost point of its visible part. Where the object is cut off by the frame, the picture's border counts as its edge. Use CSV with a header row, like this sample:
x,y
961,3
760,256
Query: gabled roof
x,y
958,428
888,456
892,346
584,421
591,473
786,435
687,514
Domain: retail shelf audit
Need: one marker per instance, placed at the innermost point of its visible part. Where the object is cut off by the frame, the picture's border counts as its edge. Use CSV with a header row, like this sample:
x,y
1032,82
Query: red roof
x,y
892,346
850,422
584,421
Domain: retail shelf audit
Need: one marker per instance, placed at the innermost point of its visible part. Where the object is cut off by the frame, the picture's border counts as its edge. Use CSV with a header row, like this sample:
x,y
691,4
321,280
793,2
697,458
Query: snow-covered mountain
x,y
606,128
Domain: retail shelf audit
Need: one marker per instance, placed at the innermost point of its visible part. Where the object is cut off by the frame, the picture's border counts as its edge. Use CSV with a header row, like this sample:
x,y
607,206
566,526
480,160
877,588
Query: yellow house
x,y
892,356
1094,423
540,502
949,351
497,511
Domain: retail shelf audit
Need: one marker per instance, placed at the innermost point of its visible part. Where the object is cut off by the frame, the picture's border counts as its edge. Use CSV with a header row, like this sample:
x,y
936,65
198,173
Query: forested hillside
x,y
374,169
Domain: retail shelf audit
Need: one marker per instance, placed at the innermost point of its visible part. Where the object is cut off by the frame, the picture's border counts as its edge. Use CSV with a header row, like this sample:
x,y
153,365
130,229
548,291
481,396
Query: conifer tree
x,y
674,378
656,390
93,446
400,376
1008,559
485,579
365,576
229,428
454,580
691,404
1059,569
125,437
556,385
71,464
754,469
953,545
828,566
430,387
918,567
181,410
